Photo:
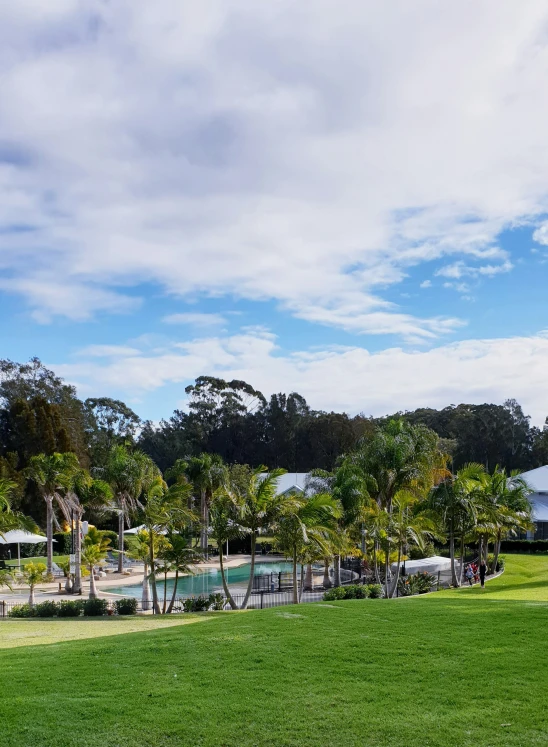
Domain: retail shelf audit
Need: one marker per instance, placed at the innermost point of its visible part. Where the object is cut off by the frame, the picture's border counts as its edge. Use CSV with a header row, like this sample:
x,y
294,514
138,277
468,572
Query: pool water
x,y
206,581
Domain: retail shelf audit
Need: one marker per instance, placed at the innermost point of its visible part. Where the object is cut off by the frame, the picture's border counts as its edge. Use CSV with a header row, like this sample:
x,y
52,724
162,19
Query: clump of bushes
x,y
125,606
201,603
416,583
70,608
21,610
75,607
45,609
524,545
95,607
353,591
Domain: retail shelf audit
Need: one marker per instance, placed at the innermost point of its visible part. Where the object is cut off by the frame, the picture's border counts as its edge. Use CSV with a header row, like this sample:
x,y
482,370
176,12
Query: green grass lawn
x,y
464,667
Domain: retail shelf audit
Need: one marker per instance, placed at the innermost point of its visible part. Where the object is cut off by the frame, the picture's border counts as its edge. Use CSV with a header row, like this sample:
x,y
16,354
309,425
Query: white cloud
x,y
460,269
426,284
108,351
195,319
339,378
540,235
308,153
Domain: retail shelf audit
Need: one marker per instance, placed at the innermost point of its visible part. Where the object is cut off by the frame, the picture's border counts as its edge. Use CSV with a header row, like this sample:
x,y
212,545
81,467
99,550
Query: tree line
x,y
391,494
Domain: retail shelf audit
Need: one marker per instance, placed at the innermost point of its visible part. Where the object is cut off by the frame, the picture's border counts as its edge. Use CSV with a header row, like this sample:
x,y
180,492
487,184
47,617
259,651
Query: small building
x,y
538,480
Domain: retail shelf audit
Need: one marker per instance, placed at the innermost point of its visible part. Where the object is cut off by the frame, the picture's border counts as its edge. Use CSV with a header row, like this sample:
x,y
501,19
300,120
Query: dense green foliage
x,y
454,668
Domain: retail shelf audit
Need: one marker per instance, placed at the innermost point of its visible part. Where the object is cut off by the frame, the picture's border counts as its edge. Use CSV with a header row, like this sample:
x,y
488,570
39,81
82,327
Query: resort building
x,y
538,480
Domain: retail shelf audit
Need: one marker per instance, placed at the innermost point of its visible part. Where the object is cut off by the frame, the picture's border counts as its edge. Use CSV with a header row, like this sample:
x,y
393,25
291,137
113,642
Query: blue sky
x,y
344,200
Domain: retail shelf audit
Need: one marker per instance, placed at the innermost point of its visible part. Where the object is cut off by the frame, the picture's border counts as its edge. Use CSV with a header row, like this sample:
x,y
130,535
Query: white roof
x,y
429,565
19,536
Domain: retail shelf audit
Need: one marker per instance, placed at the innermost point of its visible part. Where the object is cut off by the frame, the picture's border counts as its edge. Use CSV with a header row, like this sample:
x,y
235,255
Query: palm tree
x,y
305,527
206,473
54,475
10,519
32,575
165,509
140,551
129,473
455,500
506,506
408,527
258,503
180,558
92,555
90,494
223,516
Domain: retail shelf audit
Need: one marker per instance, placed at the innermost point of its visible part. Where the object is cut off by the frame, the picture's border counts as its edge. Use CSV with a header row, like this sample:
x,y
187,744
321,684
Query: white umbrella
x,y
140,528
19,537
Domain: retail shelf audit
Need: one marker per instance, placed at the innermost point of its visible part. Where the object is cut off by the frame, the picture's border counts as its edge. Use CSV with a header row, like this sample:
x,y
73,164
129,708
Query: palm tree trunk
x,y
92,589
155,605
49,533
462,551
376,564
228,595
203,519
454,579
121,519
145,597
337,570
251,571
174,595
308,579
496,550
387,573
302,584
77,586
397,574
295,582
326,580
165,593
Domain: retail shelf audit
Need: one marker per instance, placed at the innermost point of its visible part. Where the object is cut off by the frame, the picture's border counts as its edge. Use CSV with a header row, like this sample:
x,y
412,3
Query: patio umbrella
x,y
19,537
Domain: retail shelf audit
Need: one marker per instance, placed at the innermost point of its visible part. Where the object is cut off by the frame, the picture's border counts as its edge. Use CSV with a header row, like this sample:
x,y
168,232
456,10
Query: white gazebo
x,y
426,565
21,537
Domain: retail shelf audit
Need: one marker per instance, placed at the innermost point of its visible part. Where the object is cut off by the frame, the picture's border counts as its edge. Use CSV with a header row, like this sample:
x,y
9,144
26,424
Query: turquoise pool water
x,y
206,581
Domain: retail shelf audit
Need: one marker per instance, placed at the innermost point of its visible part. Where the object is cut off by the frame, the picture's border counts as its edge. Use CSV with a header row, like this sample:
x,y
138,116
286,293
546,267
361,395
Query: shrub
x,y
70,607
196,604
337,592
500,562
217,601
62,543
45,609
21,610
125,606
415,552
375,591
95,607
356,591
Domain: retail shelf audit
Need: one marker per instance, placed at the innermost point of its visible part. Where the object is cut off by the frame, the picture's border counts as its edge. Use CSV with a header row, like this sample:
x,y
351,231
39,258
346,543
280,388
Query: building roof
x,y
291,481
537,479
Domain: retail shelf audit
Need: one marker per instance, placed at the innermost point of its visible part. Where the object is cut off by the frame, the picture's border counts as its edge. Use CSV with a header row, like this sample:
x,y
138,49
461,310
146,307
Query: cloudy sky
x,y
348,199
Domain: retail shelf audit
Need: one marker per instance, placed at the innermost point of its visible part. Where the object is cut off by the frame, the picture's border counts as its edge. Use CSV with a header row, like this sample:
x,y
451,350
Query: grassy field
x,y
456,668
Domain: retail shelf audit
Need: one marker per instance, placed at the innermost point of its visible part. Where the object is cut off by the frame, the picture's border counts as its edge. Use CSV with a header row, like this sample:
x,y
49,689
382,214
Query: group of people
x,y
475,573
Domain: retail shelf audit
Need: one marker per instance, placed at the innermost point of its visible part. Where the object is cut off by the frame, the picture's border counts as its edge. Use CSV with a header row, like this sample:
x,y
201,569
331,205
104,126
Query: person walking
x,y
482,572
469,574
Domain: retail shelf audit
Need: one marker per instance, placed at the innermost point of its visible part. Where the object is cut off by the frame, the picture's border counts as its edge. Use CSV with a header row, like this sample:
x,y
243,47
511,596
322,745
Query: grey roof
x,y
291,481
537,479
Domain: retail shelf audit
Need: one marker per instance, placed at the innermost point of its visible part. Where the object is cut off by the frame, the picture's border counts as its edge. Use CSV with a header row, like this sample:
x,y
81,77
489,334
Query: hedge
x,y
524,546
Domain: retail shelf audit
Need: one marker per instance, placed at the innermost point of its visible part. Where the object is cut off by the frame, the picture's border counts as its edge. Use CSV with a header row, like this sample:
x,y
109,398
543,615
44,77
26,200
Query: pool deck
x,y
115,580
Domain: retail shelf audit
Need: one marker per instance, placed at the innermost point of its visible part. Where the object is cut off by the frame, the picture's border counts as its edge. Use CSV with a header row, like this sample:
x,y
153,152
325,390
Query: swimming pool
x,y
206,581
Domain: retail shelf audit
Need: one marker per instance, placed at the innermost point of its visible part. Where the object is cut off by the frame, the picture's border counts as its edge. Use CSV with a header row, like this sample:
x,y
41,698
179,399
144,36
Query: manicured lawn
x,y
455,668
